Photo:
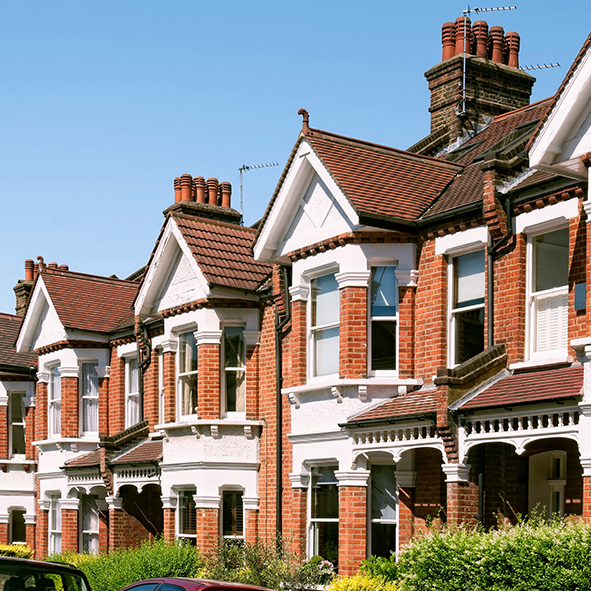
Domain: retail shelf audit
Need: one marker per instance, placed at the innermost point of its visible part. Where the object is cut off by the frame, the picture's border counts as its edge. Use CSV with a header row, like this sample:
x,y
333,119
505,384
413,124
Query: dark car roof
x,y
197,584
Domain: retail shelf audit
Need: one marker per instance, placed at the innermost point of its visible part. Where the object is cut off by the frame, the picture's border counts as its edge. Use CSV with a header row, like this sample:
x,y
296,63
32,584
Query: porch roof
x,y
89,460
145,453
530,387
410,405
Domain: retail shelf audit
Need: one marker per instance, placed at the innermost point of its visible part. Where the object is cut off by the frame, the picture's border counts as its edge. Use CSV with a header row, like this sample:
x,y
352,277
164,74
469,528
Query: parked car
x,y
19,574
186,584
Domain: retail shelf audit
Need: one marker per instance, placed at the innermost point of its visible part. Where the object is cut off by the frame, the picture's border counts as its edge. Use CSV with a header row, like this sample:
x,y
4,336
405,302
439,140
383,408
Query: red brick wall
x,y
429,488
70,530
104,405
252,382
70,405
251,525
295,350
406,507
169,524
294,519
30,421
353,333
4,431
116,416
208,381
103,531
30,534
169,364
41,412
406,328
41,533
3,533
151,391
577,321
207,529
125,531
352,528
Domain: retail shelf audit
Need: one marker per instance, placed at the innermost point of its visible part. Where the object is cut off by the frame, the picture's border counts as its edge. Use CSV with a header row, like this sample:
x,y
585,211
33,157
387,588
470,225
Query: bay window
x,y
467,306
548,292
383,318
323,512
132,392
324,326
54,400
17,424
89,398
187,516
187,373
234,356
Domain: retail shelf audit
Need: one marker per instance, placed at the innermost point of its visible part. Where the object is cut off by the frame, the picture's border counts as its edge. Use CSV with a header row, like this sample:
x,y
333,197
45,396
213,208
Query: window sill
x,y
198,426
558,359
63,443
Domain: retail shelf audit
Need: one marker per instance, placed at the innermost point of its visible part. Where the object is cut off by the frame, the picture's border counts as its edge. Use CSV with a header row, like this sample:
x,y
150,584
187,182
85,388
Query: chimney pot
x,y
497,34
52,265
513,41
177,189
29,270
64,268
212,190
448,40
460,34
186,183
199,183
226,194
480,31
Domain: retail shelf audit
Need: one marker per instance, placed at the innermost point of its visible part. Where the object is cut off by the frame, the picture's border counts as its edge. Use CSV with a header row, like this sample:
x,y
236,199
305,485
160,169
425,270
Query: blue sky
x,y
104,102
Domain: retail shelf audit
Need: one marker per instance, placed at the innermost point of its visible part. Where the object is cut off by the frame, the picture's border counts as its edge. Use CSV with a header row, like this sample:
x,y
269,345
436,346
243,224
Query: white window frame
x,y
453,312
533,298
89,536
312,522
182,494
180,375
54,402
230,369
382,521
132,396
314,330
87,399
231,490
375,264
16,424
54,529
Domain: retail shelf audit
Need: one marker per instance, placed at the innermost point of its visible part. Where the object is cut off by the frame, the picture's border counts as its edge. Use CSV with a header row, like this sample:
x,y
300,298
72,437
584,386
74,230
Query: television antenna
x,y
244,168
540,67
466,12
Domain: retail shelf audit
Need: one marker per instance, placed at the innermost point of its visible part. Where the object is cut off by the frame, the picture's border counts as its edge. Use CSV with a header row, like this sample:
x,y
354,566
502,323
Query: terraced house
x,y
403,337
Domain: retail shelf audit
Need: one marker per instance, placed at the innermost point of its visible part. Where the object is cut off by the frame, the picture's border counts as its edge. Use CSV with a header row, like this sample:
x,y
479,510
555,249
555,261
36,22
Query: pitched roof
x,y
530,387
9,327
223,252
146,452
407,406
89,302
380,180
89,460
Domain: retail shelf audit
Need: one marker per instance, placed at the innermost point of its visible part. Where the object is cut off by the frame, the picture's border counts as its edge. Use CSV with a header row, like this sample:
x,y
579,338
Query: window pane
x,y
187,352
383,539
89,391
234,346
469,336
551,260
18,532
383,345
188,516
383,291
17,424
325,493
232,513
469,280
325,300
235,391
383,492
188,386
326,344
326,541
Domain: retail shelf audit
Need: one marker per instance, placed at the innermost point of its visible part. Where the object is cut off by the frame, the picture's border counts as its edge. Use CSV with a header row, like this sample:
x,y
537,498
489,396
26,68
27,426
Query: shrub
x,y
362,582
532,556
377,566
15,550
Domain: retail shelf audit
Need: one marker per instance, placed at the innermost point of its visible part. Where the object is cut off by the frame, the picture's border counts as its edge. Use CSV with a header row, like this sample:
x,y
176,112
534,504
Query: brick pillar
x,y
582,348
208,377
405,480
295,514
30,420
69,509
40,432
169,368
251,339
103,517
169,518
116,393
295,355
462,495
104,402
4,426
407,291
70,401
353,324
42,529
208,519
30,530
251,519
352,520
117,523
4,528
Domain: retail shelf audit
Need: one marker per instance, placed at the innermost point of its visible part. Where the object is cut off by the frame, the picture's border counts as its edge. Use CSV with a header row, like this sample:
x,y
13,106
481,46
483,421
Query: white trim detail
x,y
462,242
547,218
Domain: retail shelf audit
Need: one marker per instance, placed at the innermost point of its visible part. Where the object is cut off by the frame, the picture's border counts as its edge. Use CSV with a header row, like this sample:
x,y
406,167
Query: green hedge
x,y
532,556
15,550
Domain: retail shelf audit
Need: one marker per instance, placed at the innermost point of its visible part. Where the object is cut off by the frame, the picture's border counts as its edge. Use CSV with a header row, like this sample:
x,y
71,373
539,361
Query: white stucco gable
x,y
41,325
309,207
565,136
173,278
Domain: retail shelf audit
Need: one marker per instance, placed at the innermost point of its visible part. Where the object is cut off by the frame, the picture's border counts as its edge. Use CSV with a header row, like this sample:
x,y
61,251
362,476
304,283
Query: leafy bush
x,y
15,550
122,567
532,556
377,566
362,582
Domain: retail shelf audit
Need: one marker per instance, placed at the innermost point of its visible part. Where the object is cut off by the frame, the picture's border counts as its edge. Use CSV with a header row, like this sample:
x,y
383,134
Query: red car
x,y
186,584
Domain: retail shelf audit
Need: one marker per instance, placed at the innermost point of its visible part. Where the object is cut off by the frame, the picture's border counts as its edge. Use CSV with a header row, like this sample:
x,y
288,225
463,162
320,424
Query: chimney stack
x,y
23,288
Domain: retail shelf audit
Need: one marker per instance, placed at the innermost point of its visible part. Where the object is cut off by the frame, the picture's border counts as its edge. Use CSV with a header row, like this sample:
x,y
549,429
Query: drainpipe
x,y
142,335
279,336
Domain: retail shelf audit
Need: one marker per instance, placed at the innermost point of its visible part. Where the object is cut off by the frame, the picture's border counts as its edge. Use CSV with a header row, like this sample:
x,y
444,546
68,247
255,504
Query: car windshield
x,y
17,576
